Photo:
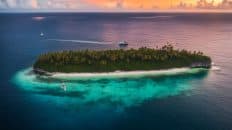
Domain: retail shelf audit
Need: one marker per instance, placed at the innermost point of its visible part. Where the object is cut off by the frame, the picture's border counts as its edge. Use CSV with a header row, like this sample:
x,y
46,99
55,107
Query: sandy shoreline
x,y
127,73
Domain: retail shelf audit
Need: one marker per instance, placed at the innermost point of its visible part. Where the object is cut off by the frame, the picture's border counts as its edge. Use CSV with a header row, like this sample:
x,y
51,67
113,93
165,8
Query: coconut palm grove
x,y
119,59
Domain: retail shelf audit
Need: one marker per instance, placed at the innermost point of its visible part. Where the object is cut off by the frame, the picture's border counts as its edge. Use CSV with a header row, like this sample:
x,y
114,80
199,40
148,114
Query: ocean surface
x,y
186,101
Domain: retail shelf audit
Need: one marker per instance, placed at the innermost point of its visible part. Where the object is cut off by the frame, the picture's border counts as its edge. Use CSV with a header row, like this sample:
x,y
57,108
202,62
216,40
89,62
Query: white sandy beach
x,y
127,73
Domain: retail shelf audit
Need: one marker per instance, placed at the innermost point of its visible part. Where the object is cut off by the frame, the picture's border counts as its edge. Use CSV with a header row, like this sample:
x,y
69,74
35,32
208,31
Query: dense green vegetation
x,y
126,60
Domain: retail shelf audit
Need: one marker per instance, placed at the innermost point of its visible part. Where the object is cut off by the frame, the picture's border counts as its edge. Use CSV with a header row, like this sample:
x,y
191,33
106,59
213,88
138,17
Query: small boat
x,y
123,44
41,34
63,86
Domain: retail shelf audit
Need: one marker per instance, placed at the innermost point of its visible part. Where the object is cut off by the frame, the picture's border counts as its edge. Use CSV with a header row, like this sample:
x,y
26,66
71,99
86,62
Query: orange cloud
x,y
137,4
161,4
116,4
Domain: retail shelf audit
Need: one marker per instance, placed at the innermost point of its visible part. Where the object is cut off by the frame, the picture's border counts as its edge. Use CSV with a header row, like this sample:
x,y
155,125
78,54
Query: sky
x,y
114,5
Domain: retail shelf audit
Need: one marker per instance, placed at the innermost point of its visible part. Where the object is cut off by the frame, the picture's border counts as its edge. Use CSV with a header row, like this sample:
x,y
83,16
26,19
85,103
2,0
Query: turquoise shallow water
x,y
110,91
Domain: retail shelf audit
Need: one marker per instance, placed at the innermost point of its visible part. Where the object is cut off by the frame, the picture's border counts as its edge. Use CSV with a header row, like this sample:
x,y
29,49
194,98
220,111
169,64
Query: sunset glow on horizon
x,y
116,5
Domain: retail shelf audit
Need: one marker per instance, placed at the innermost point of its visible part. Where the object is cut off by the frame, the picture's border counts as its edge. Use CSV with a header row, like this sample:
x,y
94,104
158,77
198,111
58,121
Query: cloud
x,y
206,4
226,4
116,4
159,4
181,5
18,4
119,4
129,4
3,4
37,4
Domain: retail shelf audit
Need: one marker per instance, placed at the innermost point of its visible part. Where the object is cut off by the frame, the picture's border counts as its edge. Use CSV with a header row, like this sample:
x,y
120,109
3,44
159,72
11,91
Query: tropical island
x,y
87,61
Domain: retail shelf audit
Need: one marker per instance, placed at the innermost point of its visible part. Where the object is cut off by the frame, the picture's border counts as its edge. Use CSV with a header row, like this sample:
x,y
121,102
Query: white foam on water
x,y
216,68
153,17
38,18
80,41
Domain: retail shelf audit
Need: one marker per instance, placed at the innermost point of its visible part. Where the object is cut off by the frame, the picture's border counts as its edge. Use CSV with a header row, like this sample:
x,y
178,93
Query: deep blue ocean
x,y
200,101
